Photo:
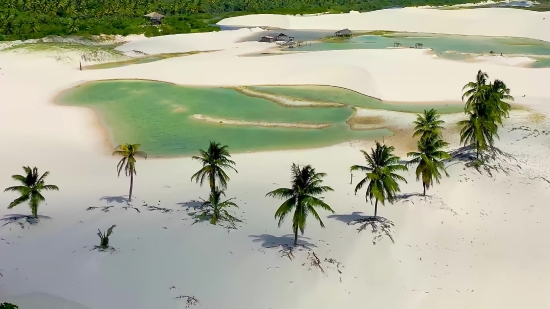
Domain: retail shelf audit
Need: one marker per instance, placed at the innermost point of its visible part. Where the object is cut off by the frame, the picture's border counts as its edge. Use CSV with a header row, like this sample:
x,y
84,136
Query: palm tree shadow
x,y
380,226
22,219
191,205
285,241
115,199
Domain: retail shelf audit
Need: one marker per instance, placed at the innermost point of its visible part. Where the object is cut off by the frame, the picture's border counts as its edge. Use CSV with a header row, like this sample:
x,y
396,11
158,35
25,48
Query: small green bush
x,y
8,306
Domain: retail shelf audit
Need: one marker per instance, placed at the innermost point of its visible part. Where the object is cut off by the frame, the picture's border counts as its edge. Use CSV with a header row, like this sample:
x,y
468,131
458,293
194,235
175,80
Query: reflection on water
x,y
159,116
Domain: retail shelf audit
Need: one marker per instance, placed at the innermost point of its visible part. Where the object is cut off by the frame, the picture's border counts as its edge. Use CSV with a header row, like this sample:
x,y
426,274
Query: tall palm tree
x,y
475,91
498,92
214,209
478,131
380,175
32,185
428,125
303,197
129,152
429,161
214,160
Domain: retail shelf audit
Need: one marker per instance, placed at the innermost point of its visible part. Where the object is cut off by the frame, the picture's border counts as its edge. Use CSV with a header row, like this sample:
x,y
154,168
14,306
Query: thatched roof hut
x,y
155,16
343,32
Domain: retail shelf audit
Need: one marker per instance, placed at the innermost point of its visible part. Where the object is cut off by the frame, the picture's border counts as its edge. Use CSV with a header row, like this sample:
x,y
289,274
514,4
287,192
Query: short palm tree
x,y
381,178
479,132
303,197
428,125
215,210
129,152
429,161
214,162
32,185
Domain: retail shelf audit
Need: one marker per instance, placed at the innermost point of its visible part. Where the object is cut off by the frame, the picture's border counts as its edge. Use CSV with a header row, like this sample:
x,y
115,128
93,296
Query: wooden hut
x,y
283,37
267,38
343,33
155,18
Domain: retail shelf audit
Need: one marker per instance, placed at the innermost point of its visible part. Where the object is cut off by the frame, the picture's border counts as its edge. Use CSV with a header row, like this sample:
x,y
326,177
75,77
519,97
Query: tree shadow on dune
x,y
285,242
380,226
21,220
115,199
191,205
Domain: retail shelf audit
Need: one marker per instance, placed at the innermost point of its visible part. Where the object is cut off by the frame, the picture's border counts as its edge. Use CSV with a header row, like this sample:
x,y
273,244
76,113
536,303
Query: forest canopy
x,y
27,19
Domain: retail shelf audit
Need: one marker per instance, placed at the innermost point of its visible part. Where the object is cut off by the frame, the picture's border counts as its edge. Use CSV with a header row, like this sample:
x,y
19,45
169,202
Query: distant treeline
x,y
26,19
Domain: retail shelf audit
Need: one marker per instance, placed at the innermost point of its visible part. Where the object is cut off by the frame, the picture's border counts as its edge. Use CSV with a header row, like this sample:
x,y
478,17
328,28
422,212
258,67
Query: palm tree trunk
x,y
296,235
375,208
212,182
131,186
424,185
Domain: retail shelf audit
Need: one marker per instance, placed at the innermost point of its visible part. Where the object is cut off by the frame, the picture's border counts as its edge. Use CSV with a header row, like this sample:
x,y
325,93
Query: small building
x,y
283,37
155,18
343,33
267,38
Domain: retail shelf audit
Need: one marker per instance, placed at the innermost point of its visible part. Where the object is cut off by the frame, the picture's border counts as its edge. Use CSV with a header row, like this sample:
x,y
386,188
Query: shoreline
x,y
224,121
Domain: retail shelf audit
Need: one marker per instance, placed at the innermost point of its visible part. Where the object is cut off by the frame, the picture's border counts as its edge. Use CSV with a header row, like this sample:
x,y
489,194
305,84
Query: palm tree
x,y
428,125
380,175
302,198
32,185
497,94
478,131
474,91
214,209
429,160
214,161
129,152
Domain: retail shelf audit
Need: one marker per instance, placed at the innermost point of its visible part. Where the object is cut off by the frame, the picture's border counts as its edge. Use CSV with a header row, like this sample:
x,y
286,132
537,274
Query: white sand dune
x,y
477,242
181,43
485,21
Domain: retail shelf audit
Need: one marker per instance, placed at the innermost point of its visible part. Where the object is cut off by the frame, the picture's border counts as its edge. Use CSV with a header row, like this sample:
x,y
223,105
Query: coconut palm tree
x,y
32,185
478,131
475,91
429,161
428,125
303,197
381,179
498,92
214,162
214,209
129,152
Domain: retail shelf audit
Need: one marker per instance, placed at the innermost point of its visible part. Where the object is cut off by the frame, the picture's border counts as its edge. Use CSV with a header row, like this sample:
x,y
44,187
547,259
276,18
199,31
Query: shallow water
x,y
454,47
158,116
344,96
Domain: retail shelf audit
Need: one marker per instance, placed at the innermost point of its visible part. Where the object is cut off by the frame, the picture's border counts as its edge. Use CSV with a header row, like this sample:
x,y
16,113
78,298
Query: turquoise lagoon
x,y
159,116
456,47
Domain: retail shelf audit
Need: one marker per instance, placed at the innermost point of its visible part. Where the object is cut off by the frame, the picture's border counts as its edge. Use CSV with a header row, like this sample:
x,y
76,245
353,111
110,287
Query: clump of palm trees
x,y
485,108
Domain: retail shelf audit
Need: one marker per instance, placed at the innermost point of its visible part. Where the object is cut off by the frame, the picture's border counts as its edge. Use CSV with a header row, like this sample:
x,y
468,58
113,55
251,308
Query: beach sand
x,y
477,241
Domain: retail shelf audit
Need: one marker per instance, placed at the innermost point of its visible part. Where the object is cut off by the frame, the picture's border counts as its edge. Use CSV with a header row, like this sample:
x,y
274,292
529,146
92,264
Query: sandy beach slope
x,y
484,21
478,241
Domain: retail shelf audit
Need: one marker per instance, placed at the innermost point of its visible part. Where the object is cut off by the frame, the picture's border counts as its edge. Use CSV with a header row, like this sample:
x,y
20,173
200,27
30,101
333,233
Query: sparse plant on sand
x,y
215,211
104,238
214,162
381,179
129,152
485,108
8,306
30,190
302,197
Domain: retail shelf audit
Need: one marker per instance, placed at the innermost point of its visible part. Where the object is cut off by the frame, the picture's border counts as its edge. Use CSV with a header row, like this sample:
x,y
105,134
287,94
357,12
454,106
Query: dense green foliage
x,y
215,160
485,108
8,306
214,210
26,19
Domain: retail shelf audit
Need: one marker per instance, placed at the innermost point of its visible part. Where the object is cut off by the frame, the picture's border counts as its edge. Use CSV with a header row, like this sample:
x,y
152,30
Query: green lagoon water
x,y
454,47
345,96
158,116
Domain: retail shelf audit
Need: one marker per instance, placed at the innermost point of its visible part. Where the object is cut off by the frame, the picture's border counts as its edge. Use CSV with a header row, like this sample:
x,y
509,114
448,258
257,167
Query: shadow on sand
x,y
271,241
191,205
115,199
379,225
22,219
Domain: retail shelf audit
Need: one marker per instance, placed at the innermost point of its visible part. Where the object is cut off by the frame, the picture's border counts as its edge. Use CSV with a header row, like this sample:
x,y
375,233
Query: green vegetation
x,y
32,185
302,198
8,306
104,238
214,210
145,59
429,157
381,179
28,19
485,107
214,162
128,162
